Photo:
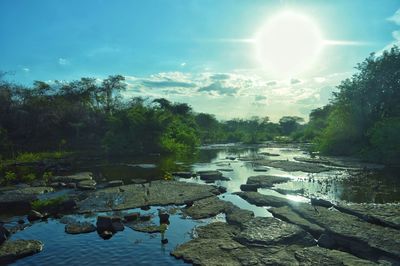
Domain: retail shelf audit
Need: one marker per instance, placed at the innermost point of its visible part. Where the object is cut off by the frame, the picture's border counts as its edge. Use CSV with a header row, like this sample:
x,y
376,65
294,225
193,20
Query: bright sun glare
x,y
288,44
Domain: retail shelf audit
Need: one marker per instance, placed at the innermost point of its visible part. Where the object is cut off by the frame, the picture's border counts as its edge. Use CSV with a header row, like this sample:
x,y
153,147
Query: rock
x,y
211,176
145,218
266,181
109,223
76,178
321,202
79,228
207,207
138,181
71,185
20,199
225,169
289,191
105,234
267,231
326,241
115,183
58,184
132,217
183,174
382,214
230,158
87,184
322,256
164,217
34,215
263,200
356,236
4,234
222,189
286,214
145,228
260,169
236,216
269,154
245,187
290,166
13,250
160,193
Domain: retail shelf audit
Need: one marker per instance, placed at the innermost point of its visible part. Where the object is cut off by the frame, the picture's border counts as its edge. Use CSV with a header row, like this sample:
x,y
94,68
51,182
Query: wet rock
x,y
225,169
145,218
13,250
230,158
160,193
267,231
322,256
269,154
76,178
132,217
236,216
326,241
138,181
211,176
245,187
286,214
34,216
109,223
87,184
266,181
222,189
207,207
145,227
289,191
105,234
321,202
313,160
79,228
164,217
263,200
115,183
260,169
290,166
360,238
382,214
4,234
183,174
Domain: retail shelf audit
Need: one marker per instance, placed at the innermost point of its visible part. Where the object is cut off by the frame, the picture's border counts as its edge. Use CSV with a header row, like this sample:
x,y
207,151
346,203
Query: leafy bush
x,y
40,205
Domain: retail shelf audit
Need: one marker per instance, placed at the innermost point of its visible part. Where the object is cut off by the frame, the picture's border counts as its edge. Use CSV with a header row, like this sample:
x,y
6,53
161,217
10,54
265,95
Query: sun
x,y
288,44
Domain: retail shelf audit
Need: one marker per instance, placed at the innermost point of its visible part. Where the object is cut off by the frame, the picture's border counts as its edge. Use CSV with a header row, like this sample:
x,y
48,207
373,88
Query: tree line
x,y
90,114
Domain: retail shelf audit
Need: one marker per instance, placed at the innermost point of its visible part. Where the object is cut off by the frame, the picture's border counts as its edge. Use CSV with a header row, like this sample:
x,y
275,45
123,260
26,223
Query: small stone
x,y
145,218
132,216
79,228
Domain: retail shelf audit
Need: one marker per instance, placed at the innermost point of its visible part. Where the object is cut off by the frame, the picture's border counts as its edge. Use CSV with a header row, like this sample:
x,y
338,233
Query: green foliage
x,y
47,176
39,156
40,205
29,178
9,178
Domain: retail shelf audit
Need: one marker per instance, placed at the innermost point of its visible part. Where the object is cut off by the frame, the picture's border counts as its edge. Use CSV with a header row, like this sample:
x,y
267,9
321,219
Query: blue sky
x,y
190,51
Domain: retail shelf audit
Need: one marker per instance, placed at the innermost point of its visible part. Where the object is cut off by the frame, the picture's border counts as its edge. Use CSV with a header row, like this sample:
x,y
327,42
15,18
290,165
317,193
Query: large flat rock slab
x,y
208,207
75,178
158,193
291,166
13,250
269,231
383,214
20,199
263,200
266,181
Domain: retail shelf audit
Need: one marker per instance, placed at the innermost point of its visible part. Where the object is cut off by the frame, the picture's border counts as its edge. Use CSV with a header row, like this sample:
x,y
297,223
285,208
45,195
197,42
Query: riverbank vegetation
x,y
363,119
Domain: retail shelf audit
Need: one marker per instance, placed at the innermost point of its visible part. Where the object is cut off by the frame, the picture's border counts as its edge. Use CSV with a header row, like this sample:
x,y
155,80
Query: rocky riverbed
x,y
232,214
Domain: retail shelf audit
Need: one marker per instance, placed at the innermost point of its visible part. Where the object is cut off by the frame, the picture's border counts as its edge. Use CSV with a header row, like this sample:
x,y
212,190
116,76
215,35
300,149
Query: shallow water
x,y
135,248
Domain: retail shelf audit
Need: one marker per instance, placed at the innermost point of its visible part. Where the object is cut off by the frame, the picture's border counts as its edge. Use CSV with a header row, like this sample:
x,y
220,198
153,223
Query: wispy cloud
x,y
63,61
346,43
395,18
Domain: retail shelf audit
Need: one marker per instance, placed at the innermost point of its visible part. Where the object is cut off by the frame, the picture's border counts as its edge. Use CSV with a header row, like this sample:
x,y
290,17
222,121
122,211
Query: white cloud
x,y
395,18
26,69
63,61
183,64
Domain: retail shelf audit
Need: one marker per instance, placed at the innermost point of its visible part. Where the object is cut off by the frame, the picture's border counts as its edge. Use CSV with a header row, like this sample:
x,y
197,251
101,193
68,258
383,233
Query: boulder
x,y
132,216
79,228
164,217
4,234
109,223
34,216
13,250
246,187
211,176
